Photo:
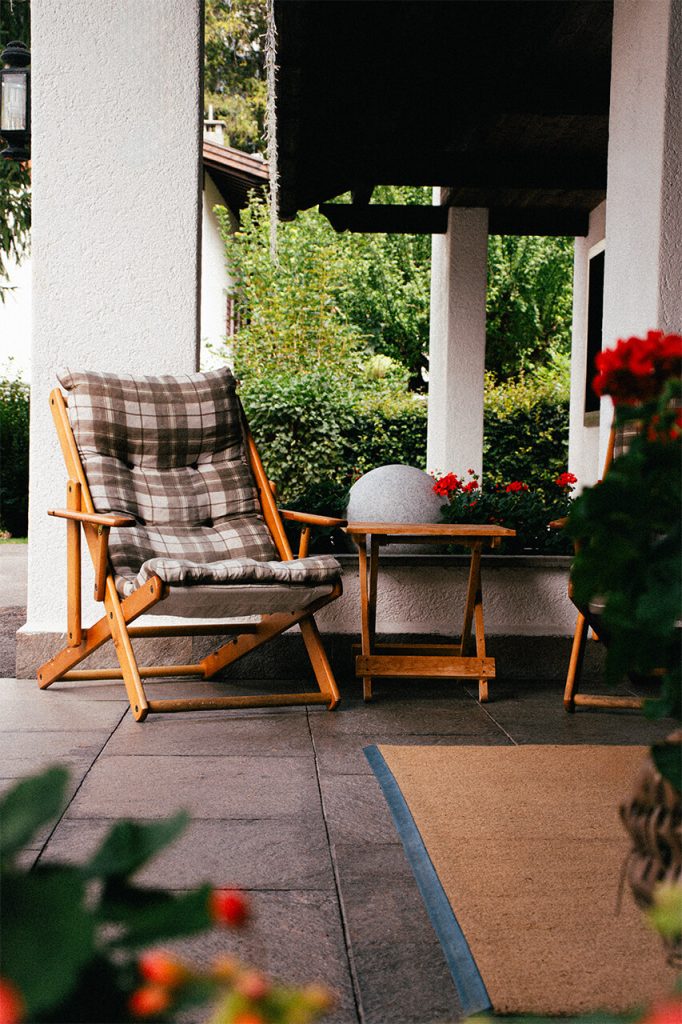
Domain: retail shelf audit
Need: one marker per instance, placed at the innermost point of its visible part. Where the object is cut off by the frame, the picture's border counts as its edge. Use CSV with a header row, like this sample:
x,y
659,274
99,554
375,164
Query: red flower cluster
x,y
445,485
566,480
637,368
448,484
515,487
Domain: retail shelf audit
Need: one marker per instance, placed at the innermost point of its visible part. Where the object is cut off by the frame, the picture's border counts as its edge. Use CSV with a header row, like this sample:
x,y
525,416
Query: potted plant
x,y
627,571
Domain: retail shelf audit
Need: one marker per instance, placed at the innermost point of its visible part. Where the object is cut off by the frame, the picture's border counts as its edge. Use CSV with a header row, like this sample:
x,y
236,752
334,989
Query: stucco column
x,y
643,269
457,343
116,156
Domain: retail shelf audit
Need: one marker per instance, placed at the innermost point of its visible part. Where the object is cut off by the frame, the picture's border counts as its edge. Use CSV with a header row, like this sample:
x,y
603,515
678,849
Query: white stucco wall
x,y
583,441
457,343
642,288
116,157
215,280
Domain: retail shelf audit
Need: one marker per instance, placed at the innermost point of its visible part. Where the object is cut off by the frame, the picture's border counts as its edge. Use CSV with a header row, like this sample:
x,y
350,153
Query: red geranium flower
x,y
445,485
566,480
515,487
637,368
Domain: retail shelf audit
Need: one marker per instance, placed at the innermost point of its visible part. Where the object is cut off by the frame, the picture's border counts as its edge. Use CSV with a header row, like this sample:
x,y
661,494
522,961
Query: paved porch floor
x,y
283,804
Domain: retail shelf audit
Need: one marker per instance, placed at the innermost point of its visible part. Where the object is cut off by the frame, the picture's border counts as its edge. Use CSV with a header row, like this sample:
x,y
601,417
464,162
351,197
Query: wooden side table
x,y
453,661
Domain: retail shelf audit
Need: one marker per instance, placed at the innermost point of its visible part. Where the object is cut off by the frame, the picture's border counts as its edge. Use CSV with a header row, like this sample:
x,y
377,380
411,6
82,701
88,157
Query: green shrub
x,y
14,419
526,429
318,431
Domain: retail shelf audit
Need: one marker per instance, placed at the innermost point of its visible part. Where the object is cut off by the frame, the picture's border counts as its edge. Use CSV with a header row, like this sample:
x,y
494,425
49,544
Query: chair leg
x,y
319,661
575,664
270,627
124,651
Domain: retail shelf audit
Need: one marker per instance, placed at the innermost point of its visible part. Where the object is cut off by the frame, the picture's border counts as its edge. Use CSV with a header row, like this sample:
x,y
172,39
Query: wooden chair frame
x,y
120,613
572,698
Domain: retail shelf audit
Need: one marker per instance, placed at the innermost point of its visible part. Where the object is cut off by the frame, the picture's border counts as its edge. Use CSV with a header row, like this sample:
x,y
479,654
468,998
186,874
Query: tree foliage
x,y
234,72
529,304
345,293
15,196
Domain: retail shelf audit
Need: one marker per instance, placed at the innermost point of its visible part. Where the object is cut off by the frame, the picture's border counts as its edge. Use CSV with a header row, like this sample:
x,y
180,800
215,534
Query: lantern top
x,y
16,54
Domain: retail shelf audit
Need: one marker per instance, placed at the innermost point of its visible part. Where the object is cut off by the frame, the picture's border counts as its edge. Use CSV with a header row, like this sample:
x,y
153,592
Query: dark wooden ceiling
x,y
503,103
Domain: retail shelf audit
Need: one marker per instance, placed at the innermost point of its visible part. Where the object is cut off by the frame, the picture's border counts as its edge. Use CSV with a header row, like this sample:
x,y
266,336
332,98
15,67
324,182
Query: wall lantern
x,y
15,101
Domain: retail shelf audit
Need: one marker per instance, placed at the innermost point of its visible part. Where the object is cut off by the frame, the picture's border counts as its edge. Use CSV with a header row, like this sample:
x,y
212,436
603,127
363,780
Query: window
x,y
595,312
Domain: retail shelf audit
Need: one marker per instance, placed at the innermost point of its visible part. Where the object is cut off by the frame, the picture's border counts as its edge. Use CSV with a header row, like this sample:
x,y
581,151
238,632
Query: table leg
x,y
473,593
480,636
361,542
371,609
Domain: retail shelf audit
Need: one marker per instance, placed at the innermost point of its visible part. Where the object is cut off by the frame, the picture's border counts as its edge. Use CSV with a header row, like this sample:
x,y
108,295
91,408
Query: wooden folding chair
x,y
618,442
166,483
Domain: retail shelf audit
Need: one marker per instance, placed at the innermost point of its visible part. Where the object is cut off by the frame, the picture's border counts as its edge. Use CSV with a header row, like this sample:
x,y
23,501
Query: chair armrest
x,y
558,524
310,519
93,518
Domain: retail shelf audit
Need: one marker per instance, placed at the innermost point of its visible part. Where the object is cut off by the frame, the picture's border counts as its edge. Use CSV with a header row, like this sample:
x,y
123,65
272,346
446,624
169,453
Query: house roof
x,y
234,173
503,103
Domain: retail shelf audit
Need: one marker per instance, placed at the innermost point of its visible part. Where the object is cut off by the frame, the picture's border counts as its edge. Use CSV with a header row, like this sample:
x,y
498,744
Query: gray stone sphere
x,y
394,494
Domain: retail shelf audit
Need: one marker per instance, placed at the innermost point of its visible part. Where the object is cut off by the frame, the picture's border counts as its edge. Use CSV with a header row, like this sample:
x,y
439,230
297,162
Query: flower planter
x,y
523,595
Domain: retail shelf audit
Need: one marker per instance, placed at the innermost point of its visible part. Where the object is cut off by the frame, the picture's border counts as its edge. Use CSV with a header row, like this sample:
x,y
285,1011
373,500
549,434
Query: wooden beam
x,y
398,220
538,221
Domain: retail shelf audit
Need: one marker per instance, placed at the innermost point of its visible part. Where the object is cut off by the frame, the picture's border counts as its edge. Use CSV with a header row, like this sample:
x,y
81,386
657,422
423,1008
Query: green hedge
x,y
14,418
317,433
526,432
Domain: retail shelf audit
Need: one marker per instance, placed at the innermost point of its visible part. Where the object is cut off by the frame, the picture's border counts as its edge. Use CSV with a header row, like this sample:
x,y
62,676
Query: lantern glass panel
x,y
13,101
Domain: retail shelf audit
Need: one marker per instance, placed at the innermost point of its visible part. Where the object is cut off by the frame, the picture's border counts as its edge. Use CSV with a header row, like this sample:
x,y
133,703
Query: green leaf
x,y
668,760
150,915
28,806
47,934
130,844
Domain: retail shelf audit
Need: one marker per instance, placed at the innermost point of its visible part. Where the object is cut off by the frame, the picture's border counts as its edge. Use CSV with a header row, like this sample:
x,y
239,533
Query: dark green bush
x,y
14,418
318,432
526,431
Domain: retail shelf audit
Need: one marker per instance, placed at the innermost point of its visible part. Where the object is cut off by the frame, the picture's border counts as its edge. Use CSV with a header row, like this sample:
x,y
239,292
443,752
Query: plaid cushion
x,y
170,452
311,571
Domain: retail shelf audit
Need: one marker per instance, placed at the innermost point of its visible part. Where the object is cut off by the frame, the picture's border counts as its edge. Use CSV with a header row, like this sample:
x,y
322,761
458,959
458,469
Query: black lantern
x,y
15,101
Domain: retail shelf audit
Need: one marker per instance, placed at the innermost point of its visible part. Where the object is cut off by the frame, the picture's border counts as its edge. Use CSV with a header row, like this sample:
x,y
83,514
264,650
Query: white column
x,y
116,156
643,270
457,343
583,437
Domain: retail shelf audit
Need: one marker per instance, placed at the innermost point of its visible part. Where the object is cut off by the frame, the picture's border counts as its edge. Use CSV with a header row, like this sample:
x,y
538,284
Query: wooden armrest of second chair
x,y
308,519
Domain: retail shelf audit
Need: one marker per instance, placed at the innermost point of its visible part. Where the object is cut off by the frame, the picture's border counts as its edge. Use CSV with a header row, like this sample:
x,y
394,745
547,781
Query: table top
x,y
425,530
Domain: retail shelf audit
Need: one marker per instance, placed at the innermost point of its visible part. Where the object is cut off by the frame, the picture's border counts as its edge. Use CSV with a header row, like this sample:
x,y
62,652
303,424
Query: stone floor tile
x,y
207,787
27,753
214,732
25,708
295,936
345,755
408,716
273,854
355,810
398,961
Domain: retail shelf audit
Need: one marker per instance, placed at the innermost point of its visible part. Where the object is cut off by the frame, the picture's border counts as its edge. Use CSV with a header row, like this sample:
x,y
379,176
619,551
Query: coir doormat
x,y
518,853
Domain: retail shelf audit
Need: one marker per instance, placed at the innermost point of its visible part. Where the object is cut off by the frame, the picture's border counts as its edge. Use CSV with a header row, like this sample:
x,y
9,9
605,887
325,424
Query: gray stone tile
x,y
590,726
408,716
214,732
355,810
344,755
398,961
295,937
207,787
26,753
25,708
271,853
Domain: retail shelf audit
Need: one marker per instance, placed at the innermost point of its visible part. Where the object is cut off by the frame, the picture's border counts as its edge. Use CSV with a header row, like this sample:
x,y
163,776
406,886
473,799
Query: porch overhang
x,y
503,104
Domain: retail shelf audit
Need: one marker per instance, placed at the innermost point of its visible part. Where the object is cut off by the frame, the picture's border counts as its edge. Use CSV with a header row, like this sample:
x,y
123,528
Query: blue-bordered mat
x,y
465,974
